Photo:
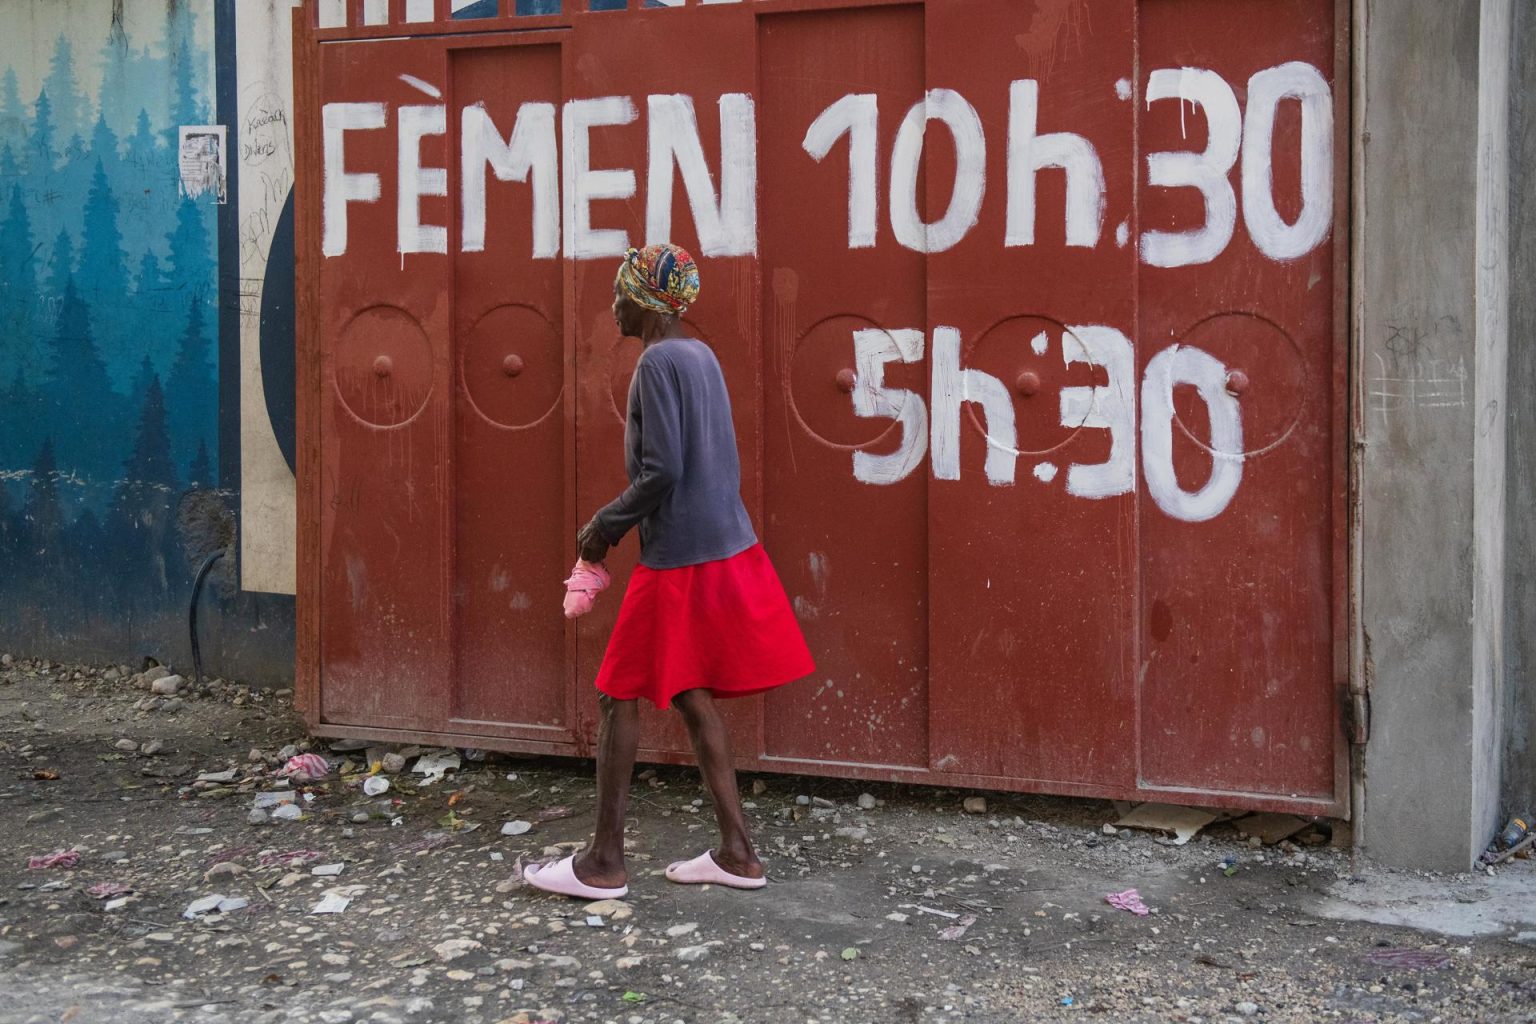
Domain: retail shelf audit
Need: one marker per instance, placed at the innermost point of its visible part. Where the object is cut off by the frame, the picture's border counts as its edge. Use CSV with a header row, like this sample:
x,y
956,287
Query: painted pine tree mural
x,y
108,296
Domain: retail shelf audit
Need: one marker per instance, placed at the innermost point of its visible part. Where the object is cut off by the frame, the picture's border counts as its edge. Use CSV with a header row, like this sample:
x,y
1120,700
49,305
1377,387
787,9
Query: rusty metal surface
x,y
1059,499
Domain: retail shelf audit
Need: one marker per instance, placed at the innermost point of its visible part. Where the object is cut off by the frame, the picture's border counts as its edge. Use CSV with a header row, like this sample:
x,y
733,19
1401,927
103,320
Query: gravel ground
x,y
888,904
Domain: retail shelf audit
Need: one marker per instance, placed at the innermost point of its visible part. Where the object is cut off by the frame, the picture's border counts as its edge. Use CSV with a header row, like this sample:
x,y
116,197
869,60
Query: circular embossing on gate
x,y
1037,359
1265,374
822,377
382,366
511,363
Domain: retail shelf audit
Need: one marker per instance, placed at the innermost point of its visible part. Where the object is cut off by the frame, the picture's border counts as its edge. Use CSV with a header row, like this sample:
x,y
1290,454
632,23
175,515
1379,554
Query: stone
x,y
975,805
677,931
616,910
693,954
257,817
867,801
152,747
173,705
450,950
256,756
223,869
6,661
1247,1009
394,763
126,745
166,686
154,672
44,816
337,1016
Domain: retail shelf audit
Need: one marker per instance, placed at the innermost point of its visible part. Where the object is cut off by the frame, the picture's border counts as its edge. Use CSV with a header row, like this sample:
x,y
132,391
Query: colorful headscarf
x,y
662,278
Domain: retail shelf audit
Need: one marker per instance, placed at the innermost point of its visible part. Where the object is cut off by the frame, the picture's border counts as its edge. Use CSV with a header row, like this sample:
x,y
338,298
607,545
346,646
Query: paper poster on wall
x,y
200,159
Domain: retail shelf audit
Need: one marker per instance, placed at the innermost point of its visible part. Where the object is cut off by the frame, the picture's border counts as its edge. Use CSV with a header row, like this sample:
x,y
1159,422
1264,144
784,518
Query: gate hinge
x,y
1358,717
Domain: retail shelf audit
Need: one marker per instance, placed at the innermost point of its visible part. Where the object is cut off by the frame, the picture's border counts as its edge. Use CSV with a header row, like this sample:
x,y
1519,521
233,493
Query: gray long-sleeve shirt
x,y
680,455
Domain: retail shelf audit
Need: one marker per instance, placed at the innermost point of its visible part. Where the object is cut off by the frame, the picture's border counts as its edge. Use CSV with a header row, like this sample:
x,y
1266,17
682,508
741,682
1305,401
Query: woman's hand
x,y
590,544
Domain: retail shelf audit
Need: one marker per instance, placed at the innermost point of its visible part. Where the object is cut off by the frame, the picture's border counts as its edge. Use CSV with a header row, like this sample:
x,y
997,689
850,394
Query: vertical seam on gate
x,y
1137,577
575,710
758,344
928,476
451,389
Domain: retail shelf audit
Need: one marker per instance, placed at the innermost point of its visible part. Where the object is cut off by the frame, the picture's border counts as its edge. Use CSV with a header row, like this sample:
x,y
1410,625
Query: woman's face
x,y
628,316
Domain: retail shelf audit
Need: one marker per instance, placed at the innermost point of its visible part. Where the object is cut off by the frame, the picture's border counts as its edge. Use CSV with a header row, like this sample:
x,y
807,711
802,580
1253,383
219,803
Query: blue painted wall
x,y
110,365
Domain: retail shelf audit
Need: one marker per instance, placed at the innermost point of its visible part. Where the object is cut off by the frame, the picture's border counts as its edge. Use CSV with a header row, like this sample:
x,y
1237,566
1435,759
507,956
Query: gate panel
x,y
1039,387
1238,610
725,317
853,555
1033,545
384,410
512,538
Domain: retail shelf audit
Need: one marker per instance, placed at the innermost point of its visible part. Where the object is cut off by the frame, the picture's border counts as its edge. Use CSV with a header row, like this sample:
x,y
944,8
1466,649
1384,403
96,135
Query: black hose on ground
x,y
197,589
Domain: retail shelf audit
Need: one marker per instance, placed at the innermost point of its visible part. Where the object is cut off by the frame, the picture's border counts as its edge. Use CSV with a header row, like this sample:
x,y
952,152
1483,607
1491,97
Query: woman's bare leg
x,y
712,747
601,864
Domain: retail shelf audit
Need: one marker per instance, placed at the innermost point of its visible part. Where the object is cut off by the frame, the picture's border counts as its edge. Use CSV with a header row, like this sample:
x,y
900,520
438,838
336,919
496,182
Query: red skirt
x,y
723,626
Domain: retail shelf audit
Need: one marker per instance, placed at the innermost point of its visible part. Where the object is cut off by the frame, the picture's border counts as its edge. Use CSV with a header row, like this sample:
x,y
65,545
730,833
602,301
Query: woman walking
x,y
705,616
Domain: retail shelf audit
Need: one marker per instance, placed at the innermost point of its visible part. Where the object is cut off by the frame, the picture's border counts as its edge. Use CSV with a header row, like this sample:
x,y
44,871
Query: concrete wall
x,y
1430,259
1520,609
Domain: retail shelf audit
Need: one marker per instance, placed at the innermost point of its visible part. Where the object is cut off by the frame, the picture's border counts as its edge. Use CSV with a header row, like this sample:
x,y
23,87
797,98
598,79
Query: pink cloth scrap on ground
x,y
57,859
587,580
1129,900
307,767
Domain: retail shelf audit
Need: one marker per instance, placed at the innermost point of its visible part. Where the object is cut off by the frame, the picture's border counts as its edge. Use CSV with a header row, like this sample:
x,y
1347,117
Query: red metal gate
x,y
1031,314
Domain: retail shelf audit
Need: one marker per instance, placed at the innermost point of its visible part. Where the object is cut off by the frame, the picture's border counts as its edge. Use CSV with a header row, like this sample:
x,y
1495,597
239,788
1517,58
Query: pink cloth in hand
x,y
587,580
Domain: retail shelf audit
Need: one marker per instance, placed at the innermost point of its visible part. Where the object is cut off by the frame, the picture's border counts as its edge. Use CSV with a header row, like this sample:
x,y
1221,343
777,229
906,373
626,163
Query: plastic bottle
x,y
1514,831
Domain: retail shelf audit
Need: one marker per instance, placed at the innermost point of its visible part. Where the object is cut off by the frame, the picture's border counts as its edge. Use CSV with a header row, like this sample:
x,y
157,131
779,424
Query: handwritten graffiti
x,y
550,149
1110,407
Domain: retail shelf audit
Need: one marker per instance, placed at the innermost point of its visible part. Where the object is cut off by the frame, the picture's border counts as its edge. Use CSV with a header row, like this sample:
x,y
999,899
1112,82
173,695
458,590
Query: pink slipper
x,y
703,870
587,580
560,879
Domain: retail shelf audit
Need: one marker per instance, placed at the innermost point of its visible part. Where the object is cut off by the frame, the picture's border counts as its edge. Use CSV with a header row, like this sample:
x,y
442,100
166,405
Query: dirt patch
x,y
867,883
